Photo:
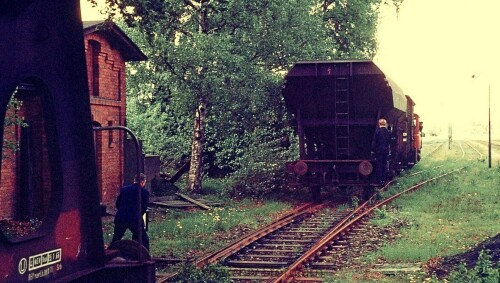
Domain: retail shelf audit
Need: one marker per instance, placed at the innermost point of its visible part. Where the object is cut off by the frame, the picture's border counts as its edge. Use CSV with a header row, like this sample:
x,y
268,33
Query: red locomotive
x,y
336,105
51,230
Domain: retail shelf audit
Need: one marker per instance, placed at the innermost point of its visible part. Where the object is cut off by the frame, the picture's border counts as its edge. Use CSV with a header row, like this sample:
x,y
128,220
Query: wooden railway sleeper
x,y
257,264
287,241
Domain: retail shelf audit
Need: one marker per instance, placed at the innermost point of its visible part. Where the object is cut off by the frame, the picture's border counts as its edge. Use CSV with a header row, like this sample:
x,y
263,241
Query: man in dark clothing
x,y
127,216
380,146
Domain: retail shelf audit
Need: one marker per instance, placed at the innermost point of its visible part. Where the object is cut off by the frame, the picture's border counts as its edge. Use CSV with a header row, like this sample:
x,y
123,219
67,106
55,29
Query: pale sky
x,y
90,13
431,49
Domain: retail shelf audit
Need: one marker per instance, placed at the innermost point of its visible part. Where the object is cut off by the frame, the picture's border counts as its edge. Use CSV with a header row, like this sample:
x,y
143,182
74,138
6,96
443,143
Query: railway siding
x,y
307,244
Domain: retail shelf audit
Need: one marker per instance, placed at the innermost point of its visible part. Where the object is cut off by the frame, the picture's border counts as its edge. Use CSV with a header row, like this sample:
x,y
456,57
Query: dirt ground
x,y
443,266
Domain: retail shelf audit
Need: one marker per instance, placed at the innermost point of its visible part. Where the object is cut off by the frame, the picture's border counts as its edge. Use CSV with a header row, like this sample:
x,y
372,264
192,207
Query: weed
x,y
183,233
343,207
208,274
380,214
448,215
354,201
483,272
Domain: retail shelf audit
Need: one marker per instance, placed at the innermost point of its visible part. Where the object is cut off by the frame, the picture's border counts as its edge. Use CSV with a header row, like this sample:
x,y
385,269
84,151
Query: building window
x,y
94,48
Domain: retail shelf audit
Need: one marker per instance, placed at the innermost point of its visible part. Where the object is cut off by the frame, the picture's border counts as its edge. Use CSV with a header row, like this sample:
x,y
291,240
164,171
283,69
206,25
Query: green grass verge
x,y
185,234
447,216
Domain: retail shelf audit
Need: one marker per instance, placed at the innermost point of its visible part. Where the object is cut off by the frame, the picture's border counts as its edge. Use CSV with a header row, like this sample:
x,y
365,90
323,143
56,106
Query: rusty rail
x,y
475,149
362,211
344,226
435,149
420,172
244,241
257,234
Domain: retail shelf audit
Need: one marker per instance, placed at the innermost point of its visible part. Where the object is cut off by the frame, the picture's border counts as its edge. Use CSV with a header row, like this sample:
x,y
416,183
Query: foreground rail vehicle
x,y
337,105
52,190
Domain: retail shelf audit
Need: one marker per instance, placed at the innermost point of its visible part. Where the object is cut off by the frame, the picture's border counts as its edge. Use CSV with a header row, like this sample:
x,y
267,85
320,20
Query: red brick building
x,y
25,185
107,48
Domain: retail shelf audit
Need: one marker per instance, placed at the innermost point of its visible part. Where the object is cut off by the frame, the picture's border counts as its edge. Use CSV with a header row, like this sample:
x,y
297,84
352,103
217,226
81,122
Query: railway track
x,y
434,148
278,250
471,146
482,148
326,255
302,246
470,150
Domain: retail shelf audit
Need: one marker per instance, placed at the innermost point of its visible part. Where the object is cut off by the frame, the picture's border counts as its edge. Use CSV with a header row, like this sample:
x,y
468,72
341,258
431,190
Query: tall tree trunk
x,y
196,168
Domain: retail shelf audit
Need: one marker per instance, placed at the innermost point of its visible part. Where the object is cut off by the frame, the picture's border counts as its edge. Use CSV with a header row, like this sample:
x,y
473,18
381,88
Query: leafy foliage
x,y
483,272
261,167
352,24
240,78
12,119
231,55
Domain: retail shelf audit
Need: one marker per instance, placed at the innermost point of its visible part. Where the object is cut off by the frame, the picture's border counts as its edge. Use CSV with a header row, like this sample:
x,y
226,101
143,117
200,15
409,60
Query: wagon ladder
x,y
342,145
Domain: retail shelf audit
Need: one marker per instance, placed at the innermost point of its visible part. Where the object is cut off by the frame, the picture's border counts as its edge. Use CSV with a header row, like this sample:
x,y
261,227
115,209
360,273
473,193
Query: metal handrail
x,y
138,152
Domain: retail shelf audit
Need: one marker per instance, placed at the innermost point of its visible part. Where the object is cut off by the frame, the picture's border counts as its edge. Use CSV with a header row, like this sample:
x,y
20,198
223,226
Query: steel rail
x,y
477,151
246,240
435,149
463,151
344,226
420,172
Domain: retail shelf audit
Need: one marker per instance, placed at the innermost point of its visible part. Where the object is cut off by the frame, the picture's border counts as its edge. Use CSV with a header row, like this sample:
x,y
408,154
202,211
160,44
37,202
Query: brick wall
x,y
16,203
108,109
7,179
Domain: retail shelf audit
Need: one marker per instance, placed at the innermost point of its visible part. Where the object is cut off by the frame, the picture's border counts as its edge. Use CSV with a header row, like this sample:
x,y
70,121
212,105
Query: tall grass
x,y
449,215
183,233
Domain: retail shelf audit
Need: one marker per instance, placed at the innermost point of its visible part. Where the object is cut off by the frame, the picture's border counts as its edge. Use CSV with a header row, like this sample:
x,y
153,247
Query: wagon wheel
x,y
130,249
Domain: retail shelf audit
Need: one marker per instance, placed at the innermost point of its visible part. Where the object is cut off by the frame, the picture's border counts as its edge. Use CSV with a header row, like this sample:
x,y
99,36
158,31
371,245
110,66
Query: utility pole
x,y
489,126
489,123
450,135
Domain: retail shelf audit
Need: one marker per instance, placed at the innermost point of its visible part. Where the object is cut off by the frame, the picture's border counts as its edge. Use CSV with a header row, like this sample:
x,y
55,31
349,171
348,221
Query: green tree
x,y
353,25
223,56
224,60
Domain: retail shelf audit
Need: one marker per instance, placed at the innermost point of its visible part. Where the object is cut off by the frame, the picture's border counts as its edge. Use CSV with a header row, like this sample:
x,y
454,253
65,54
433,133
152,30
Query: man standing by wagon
x,y
380,146
127,216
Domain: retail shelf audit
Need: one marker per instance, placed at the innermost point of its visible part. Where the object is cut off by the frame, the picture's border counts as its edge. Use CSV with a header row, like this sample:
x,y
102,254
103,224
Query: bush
x,y
483,272
262,169
257,183
161,187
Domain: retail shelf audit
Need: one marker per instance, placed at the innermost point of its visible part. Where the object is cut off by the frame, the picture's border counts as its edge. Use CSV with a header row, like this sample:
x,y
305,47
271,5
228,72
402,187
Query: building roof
x,y
117,38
